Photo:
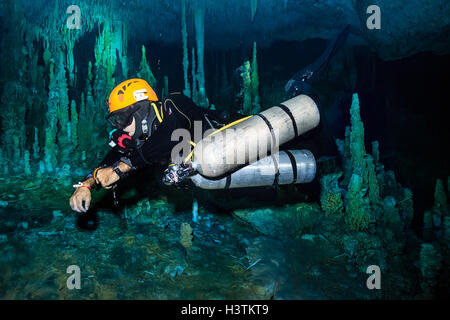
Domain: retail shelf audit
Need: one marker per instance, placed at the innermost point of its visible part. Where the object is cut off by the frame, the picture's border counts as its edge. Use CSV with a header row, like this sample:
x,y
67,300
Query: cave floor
x,y
137,254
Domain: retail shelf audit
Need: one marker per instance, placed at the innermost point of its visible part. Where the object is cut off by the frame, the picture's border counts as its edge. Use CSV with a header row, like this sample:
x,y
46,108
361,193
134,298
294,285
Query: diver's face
x,y
131,129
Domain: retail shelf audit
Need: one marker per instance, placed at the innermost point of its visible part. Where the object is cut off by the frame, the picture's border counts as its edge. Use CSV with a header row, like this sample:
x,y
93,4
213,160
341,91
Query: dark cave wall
x,y
403,106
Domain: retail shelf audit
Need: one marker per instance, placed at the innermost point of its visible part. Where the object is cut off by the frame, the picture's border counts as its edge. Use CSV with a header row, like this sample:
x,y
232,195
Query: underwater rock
x,y
406,206
357,148
357,207
3,204
374,190
430,262
376,152
440,197
391,216
294,269
23,225
330,194
446,235
434,220
428,226
57,214
3,238
177,271
186,236
364,249
286,222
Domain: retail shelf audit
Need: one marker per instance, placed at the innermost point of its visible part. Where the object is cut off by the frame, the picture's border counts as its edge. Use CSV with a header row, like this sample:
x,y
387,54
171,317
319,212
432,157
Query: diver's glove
x,y
176,173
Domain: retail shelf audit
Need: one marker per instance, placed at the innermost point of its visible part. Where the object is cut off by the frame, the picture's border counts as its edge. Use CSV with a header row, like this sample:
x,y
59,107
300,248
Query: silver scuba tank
x,y
254,138
285,167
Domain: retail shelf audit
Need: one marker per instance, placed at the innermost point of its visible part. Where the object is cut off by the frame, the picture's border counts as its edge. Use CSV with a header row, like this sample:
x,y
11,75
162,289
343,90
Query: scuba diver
x,y
142,135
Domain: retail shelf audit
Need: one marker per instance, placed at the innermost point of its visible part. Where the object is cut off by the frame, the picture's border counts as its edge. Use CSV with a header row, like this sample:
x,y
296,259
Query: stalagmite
x,y
144,70
247,89
255,81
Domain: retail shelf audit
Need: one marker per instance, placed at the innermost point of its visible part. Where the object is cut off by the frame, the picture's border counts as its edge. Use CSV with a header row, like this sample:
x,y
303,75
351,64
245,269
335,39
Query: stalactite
x,y
74,124
224,72
194,78
199,21
184,37
36,148
166,87
63,131
52,118
105,63
33,68
70,63
253,8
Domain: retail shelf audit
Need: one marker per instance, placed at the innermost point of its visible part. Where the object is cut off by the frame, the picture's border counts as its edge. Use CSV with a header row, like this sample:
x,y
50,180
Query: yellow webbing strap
x,y
191,153
157,112
218,130
229,125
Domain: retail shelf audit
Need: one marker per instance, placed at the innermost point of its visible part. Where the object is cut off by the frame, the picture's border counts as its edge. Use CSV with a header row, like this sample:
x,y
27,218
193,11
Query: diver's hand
x,y
106,177
78,197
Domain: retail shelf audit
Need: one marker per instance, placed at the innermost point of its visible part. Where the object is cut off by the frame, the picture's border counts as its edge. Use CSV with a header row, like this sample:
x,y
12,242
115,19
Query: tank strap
x,y
228,182
274,140
277,171
289,113
294,165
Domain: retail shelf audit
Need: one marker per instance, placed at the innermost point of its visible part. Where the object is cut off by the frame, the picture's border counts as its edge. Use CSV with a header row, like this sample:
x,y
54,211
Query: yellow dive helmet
x,y
124,96
130,92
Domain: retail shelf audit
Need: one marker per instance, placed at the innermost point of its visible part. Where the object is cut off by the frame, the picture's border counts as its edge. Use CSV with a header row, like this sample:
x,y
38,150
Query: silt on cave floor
x,y
143,257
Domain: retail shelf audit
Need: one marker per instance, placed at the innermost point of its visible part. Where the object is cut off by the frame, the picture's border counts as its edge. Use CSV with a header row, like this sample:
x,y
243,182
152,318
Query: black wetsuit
x,y
178,112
